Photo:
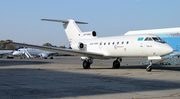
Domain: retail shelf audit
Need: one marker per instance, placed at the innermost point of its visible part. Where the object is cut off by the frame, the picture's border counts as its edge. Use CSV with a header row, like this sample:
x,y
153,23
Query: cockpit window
x,y
158,39
155,39
148,39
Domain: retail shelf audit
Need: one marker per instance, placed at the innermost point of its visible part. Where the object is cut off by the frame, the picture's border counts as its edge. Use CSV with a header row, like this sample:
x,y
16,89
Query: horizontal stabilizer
x,y
63,21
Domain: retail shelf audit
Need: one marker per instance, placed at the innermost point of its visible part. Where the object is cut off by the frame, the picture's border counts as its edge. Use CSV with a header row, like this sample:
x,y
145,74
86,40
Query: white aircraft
x,y
29,53
6,52
90,47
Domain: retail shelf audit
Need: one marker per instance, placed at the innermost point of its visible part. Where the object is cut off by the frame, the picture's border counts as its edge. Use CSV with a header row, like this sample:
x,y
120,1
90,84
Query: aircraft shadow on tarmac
x,y
15,62
155,67
36,83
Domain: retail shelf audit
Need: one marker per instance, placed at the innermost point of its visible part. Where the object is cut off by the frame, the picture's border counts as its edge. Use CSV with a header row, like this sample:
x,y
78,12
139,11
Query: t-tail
x,y
72,30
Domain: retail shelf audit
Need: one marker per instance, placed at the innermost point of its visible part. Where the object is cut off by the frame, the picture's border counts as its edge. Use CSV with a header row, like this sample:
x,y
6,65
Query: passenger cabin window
x,y
109,43
100,43
117,43
122,42
127,42
104,43
113,43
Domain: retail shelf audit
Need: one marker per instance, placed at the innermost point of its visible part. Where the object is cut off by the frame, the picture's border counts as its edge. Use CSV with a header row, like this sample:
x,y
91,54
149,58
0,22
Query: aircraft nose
x,y
13,53
167,50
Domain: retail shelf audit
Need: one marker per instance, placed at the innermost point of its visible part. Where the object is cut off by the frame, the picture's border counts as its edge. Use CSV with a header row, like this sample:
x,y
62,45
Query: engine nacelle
x,y
91,34
78,46
81,46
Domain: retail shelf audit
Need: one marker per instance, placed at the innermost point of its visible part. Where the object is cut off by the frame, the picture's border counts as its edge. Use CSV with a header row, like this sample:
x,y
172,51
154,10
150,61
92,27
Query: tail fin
x,y
72,30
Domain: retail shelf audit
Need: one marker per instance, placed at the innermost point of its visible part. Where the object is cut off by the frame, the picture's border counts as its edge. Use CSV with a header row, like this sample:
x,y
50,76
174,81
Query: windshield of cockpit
x,y
156,39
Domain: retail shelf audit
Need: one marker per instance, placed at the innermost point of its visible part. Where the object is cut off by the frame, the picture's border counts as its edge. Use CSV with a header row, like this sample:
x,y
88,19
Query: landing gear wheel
x,y
86,64
116,64
51,57
148,68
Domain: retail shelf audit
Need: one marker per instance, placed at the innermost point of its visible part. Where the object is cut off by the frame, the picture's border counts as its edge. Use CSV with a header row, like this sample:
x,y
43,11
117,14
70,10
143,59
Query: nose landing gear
x,y
149,67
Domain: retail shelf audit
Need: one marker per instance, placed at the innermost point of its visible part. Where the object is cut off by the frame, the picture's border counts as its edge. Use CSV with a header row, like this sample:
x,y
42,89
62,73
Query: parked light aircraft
x,y
90,47
29,53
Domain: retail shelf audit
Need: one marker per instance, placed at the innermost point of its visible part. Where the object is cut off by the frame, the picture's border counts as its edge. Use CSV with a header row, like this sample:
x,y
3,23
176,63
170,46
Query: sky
x,y
20,20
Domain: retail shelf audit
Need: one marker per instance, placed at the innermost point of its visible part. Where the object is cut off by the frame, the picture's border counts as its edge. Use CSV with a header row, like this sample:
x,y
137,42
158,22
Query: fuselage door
x,y
140,44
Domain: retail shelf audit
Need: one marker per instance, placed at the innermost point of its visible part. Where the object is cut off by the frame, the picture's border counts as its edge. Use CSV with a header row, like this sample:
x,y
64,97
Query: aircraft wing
x,y
60,50
5,52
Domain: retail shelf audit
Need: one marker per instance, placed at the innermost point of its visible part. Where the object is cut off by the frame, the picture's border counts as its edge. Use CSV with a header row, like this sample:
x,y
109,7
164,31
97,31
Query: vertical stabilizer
x,y
72,30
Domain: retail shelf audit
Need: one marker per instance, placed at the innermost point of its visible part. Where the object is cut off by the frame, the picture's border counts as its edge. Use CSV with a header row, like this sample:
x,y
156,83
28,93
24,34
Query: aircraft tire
x,y
116,64
86,64
148,68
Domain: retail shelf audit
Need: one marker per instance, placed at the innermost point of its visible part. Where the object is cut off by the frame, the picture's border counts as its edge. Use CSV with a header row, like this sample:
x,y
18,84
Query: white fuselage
x,y
124,46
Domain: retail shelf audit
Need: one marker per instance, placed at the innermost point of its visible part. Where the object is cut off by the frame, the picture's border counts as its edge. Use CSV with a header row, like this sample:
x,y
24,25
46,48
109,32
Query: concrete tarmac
x,y
64,77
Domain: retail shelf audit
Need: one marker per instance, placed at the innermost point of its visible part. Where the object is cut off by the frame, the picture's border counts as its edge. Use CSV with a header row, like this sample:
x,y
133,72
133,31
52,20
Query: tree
x,y
6,47
62,46
11,47
47,44
2,46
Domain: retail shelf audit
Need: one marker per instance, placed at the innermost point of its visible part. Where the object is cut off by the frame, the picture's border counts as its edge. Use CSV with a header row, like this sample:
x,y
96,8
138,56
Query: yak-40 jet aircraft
x,y
90,47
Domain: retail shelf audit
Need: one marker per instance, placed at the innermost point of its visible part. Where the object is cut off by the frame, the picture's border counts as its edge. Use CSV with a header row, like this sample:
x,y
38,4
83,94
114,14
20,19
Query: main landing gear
x,y
51,57
116,63
149,67
87,62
